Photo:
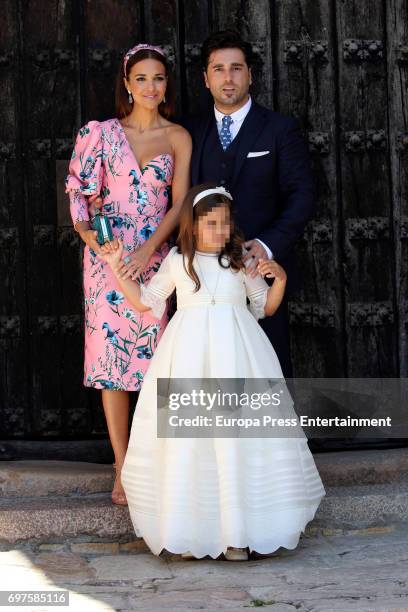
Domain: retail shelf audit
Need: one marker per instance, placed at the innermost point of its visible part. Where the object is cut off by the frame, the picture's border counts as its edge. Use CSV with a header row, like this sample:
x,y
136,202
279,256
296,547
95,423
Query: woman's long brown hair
x,y
122,104
186,239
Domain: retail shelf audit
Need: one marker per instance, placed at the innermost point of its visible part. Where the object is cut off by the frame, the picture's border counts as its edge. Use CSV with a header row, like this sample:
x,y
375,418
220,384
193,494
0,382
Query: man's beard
x,y
233,100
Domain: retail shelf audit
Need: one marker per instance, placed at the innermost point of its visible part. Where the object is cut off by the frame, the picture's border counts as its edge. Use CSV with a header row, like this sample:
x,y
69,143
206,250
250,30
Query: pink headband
x,y
140,47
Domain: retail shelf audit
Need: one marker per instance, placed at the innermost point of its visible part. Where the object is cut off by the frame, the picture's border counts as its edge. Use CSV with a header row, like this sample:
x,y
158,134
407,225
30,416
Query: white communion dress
x,y
206,494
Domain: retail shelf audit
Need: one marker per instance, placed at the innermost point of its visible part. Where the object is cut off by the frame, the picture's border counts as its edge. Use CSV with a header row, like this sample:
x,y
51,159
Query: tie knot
x,y
226,121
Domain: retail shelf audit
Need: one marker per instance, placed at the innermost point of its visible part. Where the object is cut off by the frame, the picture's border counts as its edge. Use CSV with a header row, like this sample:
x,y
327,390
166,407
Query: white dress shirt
x,y
237,120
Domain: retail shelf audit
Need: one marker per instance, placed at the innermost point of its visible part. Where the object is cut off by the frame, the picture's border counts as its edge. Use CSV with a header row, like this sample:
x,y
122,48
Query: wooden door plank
x,y
365,197
397,68
49,50
15,395
306,76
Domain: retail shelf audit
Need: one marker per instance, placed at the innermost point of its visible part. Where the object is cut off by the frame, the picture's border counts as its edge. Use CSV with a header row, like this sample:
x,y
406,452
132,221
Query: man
x,y
261,157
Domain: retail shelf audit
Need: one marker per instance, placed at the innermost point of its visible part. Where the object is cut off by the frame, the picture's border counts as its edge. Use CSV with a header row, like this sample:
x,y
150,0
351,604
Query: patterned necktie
x,y
225,134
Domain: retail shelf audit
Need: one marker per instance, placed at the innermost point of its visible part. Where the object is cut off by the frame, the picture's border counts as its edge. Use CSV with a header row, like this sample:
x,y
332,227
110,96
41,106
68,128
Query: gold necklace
x,y
206,286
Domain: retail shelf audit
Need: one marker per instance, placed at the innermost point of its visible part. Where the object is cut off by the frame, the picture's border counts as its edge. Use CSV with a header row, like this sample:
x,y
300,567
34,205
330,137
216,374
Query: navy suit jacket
x,y
274,194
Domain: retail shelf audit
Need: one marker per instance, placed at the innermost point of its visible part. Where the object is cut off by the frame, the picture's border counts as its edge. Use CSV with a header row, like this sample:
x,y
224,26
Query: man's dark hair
x,y
225,39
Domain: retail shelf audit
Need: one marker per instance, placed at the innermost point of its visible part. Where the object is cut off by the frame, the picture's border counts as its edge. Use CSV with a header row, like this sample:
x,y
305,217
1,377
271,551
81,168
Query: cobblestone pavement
x,y
364,571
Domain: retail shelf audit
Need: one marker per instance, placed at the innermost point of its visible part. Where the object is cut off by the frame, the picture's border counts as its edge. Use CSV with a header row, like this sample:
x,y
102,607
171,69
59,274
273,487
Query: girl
x,y
207,496
134,161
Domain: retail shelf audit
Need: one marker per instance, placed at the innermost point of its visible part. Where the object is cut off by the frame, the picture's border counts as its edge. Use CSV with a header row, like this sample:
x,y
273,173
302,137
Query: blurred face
x,y
228,78
213,229
147,83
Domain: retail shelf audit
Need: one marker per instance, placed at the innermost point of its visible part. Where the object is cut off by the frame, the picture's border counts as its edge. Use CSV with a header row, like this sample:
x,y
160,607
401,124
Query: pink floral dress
x,y
119,341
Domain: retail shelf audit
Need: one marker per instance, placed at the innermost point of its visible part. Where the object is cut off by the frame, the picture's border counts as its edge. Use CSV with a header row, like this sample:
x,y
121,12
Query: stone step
x,y
55,499
363,467
45,518
42,518
41,478
363,506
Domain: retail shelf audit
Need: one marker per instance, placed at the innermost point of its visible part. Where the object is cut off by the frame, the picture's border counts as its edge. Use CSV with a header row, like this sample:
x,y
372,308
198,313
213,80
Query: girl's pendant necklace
x,y
206,286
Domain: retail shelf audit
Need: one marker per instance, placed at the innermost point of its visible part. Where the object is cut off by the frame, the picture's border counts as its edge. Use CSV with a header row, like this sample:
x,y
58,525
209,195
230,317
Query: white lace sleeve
x,y
156,303
257,292
162,284
257,301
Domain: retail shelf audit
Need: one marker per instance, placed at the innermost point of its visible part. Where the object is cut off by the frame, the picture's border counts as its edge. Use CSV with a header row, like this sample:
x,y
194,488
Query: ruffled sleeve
x,y
85,170
161,285
257,292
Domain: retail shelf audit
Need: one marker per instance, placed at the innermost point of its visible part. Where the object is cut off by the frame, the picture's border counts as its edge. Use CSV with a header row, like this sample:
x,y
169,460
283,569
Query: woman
x,y
134,162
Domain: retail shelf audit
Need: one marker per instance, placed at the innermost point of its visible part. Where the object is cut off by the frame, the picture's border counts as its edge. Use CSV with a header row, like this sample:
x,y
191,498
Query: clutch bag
x,y
102,225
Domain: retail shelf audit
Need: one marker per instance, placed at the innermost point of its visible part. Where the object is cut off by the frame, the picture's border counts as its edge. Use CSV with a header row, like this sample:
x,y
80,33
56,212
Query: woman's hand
x,y
95,204
271,269
136,262
89,237
110,247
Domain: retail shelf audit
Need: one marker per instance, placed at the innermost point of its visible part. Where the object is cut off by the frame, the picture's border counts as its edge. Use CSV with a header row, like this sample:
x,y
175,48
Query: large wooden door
x,y
341,66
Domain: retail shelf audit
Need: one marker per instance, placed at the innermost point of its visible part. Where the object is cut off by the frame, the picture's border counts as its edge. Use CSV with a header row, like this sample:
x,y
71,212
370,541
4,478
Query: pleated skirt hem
x,y
266,541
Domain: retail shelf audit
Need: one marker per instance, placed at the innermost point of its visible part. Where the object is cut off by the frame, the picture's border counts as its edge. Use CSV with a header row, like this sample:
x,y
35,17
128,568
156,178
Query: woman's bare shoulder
x,y
177,133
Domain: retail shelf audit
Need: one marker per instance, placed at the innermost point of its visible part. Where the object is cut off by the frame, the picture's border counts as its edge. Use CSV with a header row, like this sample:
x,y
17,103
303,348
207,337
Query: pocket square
x,y
257,153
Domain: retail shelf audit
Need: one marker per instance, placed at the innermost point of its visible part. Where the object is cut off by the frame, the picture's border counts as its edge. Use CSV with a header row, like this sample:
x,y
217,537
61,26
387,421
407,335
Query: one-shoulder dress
x,y
119,341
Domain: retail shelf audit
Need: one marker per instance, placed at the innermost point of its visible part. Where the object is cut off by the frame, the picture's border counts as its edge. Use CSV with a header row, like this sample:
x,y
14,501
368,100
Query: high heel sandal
x,y
118,498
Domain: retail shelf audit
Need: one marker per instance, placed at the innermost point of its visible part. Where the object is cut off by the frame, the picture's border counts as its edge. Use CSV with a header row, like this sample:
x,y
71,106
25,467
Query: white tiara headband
x,y
207,192
133,50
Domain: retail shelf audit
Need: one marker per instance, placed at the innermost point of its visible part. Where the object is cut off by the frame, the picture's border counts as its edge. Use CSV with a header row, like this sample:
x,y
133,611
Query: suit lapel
x,y
252,126
199,144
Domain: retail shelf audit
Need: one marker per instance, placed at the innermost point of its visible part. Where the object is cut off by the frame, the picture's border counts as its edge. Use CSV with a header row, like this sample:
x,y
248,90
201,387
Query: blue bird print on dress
x,y
110,333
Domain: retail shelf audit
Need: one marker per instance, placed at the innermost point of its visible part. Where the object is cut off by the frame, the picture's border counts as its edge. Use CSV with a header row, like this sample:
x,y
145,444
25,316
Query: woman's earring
x,y
164,100
130,98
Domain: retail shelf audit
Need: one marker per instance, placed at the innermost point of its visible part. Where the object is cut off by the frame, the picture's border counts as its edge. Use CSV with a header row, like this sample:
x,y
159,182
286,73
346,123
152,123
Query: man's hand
x,y
256,252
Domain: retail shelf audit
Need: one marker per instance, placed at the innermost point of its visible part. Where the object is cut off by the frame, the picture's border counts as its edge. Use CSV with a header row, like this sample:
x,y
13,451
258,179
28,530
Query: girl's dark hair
x,y
186,240
225,39
122,104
